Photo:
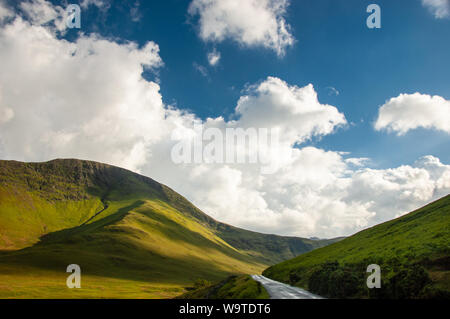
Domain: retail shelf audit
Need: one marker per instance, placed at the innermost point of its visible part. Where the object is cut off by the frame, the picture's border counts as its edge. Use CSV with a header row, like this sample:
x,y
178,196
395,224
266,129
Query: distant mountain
x,y
413,252
130,234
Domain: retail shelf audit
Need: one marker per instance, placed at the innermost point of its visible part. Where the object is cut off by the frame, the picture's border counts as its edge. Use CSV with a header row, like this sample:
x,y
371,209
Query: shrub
x,y
335,281
201,283
409,282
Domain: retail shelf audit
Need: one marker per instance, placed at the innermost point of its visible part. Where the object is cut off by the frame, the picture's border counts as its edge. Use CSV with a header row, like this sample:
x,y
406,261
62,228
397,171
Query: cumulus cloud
x,y
439,8
88,99
410,111
316,192
401,189
75,98
248,22
296,111
213,57
357,161
5,12
41,12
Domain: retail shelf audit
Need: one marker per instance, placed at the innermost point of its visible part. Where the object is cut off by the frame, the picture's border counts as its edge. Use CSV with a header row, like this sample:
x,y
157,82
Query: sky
x,y
363,114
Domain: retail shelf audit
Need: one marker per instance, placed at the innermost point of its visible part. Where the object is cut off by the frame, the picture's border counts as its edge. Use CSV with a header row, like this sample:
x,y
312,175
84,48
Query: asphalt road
x,y
278,290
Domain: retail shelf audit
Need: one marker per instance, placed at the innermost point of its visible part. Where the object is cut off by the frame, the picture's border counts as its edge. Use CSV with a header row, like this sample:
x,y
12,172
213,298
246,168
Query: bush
x,y
344,283
348,281
294,277
409,282
335,281
201,283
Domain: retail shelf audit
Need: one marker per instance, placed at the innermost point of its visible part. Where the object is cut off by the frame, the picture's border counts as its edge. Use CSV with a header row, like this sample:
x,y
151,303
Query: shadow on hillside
x,y
65,234
107,253
178,232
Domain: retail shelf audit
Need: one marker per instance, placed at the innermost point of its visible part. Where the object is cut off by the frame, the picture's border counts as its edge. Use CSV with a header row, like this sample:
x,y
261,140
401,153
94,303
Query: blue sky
x,y
119,89
333,48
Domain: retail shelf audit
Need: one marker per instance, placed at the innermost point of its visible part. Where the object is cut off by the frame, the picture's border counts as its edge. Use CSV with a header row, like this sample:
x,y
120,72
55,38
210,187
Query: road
x,y
278,290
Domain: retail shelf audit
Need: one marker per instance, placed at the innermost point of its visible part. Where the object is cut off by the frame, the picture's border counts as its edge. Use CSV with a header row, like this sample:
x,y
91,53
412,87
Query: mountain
x,y
132,236
413,252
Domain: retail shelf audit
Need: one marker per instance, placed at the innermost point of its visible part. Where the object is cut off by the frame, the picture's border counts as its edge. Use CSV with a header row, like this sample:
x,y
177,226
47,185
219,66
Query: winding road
x,y
278,290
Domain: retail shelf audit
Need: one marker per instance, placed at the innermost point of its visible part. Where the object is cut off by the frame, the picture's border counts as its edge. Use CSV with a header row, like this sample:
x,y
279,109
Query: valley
x,y
136,238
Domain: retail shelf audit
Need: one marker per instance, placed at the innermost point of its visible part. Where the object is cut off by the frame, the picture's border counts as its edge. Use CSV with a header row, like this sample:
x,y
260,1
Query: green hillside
x,y
413,252
131,236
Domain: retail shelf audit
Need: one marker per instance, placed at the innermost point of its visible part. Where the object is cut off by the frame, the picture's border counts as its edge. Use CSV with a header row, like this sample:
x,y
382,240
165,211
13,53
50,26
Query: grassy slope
x,y
420,238
234,287
132,236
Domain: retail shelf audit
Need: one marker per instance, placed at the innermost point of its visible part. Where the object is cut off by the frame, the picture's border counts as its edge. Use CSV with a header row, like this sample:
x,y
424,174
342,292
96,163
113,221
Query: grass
x,y
140,242
131,236
25,282
25,216
420,238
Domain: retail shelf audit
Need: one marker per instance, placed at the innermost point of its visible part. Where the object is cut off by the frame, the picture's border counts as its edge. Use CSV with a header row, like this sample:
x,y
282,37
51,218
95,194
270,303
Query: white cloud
x,y
296,111
41,12
213,57
439,8
410,111
248,22
87,99
401,189
101,4
333,91
77,98
315,193
357,161
4,12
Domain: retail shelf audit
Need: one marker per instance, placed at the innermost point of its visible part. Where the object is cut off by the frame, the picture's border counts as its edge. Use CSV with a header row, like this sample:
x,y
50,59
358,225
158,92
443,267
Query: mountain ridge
x,y
104,174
